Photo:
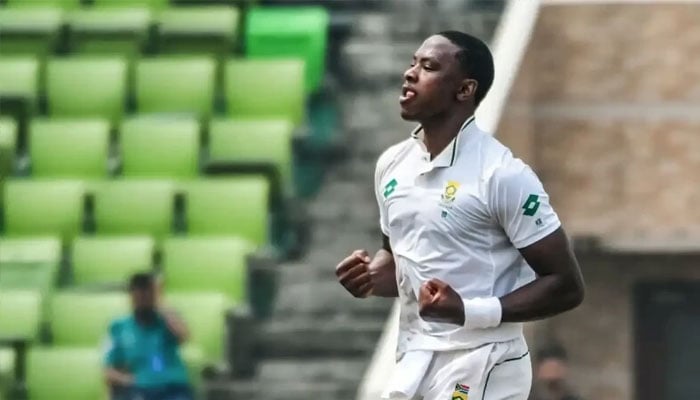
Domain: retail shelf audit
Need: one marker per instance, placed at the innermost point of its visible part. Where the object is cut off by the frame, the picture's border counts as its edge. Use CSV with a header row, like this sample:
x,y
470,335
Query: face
x,y
552,374
435,82
143,302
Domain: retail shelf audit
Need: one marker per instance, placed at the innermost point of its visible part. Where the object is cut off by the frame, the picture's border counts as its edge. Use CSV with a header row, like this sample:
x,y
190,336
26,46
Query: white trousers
x,y
496,371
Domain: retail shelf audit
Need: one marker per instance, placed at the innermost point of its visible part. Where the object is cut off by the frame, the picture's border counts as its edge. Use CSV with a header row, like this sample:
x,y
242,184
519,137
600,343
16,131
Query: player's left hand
x,y
438,302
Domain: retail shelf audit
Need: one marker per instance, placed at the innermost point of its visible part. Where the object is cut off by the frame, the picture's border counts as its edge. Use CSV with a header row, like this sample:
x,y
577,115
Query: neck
x,y
439,132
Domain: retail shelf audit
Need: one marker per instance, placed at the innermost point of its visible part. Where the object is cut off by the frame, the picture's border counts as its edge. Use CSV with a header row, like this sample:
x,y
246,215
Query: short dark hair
x,y
552,352
475,58
141,281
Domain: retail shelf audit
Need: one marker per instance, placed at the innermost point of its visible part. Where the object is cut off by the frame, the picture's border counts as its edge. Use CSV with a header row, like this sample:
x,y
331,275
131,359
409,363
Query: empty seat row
x,y
98,86
226,206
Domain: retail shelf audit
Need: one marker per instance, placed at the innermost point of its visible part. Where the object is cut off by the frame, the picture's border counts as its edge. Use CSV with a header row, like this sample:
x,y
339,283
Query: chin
x,y
408,116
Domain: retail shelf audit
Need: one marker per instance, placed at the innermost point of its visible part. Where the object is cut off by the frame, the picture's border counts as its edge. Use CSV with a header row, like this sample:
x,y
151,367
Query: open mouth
x,y
407,94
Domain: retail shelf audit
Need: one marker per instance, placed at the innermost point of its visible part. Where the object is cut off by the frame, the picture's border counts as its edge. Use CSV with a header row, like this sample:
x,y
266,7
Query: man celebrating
x,y
471,245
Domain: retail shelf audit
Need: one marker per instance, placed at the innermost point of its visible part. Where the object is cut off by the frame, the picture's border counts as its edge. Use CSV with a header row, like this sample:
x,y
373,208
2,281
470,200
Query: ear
x,y
467,89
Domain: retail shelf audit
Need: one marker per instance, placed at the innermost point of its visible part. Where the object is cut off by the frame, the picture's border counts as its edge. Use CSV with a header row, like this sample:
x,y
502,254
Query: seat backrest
x,y
253,140
69,148
83,318
265,89
128,207
221,21
207,264
204,313
34,276
229,206
33,249
86,87
160,147
19,76
64,4
290,32
40,207
20,312
106,259
65,373
176,85
152,4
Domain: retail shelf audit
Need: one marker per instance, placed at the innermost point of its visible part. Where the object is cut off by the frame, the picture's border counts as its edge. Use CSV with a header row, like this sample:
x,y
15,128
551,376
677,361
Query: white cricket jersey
x,y
459,218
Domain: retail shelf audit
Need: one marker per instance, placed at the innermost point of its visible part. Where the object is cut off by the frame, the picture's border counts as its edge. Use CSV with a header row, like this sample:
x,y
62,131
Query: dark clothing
x,y
171,392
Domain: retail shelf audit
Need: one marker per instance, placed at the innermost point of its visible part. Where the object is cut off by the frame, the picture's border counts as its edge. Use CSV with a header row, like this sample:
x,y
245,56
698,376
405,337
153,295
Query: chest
x,y
142,343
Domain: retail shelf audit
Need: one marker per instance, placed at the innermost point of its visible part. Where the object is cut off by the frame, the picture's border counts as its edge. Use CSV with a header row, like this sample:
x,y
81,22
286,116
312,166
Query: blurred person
x,y
142,361
471,245
552,376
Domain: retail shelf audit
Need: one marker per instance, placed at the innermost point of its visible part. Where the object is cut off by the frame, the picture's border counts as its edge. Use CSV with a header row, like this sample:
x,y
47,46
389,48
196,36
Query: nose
x,y
410,74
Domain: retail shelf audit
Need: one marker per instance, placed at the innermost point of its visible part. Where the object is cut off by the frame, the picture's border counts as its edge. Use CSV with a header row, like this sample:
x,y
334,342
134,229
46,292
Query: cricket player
x,y
471,245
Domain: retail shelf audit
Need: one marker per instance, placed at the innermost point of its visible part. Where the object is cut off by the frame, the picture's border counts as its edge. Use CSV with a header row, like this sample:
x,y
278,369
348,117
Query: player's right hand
x,y
353,273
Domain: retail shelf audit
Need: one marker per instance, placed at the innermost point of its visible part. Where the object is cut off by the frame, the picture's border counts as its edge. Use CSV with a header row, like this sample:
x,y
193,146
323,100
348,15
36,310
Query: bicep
x,y
551,255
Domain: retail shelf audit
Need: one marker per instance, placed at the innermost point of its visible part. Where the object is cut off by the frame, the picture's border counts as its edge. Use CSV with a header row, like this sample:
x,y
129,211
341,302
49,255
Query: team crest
x,y
461,392
448,196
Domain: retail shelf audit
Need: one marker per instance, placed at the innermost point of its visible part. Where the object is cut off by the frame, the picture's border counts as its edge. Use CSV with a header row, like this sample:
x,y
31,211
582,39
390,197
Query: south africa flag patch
x,y
461,392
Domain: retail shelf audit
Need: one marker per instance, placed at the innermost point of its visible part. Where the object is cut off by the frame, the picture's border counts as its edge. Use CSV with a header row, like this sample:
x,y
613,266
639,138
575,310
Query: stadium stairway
x,y
318,341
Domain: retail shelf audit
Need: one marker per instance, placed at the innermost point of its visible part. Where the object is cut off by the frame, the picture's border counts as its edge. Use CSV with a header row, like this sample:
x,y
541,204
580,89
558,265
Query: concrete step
x,y
303,298
341,370
309,337
261,390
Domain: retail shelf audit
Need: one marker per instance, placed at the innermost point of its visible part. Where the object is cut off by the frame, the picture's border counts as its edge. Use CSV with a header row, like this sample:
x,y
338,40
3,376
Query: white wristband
x,y
482,312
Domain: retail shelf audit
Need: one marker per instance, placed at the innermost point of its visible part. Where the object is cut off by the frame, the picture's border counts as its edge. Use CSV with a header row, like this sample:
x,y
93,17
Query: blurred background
x,y
229,146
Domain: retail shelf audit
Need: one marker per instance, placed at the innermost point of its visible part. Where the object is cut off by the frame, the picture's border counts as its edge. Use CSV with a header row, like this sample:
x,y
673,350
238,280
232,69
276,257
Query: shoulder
x,y
119,324
392,154
498,162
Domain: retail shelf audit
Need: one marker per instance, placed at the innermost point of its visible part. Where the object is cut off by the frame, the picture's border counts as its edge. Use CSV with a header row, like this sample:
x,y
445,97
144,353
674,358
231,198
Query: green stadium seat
x,y
107,259
265,89
33,249
229,206
8,146
64,373
86,87
122,31
176,85
207,264
198,30
63,4
19,77
193,357
134,207
290,32
40,207
83,318
204,313
7,366
32,31
69,148
160,147
152,4
239,141
20,312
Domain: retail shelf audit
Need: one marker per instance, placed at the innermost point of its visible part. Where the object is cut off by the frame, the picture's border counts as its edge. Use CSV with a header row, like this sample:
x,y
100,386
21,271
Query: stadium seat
x,y
83,318
290,32
204,313
20,312
69,148
19,77
40,207
33,249
229,206
160,147
120,31
129,207
193,357
265,89
198,30
106,259
86,87
64,4
176,85
32,31
154,5
65,373
8,145
239,141
207,264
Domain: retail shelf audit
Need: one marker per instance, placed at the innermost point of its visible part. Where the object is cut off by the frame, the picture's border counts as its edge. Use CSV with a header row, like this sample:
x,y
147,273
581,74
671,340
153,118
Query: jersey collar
x,y
447,157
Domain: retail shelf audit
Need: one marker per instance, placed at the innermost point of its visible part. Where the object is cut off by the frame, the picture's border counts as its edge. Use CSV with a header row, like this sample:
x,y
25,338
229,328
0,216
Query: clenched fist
x,y
438,302
353,273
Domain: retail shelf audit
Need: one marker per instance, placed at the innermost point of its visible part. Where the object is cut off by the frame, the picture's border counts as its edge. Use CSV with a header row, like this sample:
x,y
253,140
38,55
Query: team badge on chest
x,y
448,197
461,392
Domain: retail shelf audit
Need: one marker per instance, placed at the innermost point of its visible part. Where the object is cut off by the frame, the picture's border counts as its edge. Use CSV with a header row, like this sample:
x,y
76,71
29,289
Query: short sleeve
x,y
113,354
520,204
378,192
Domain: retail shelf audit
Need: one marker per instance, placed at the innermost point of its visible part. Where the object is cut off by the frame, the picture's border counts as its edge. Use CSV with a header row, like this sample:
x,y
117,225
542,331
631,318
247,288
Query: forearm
x,y
544,297
175,324
116,377
382,271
